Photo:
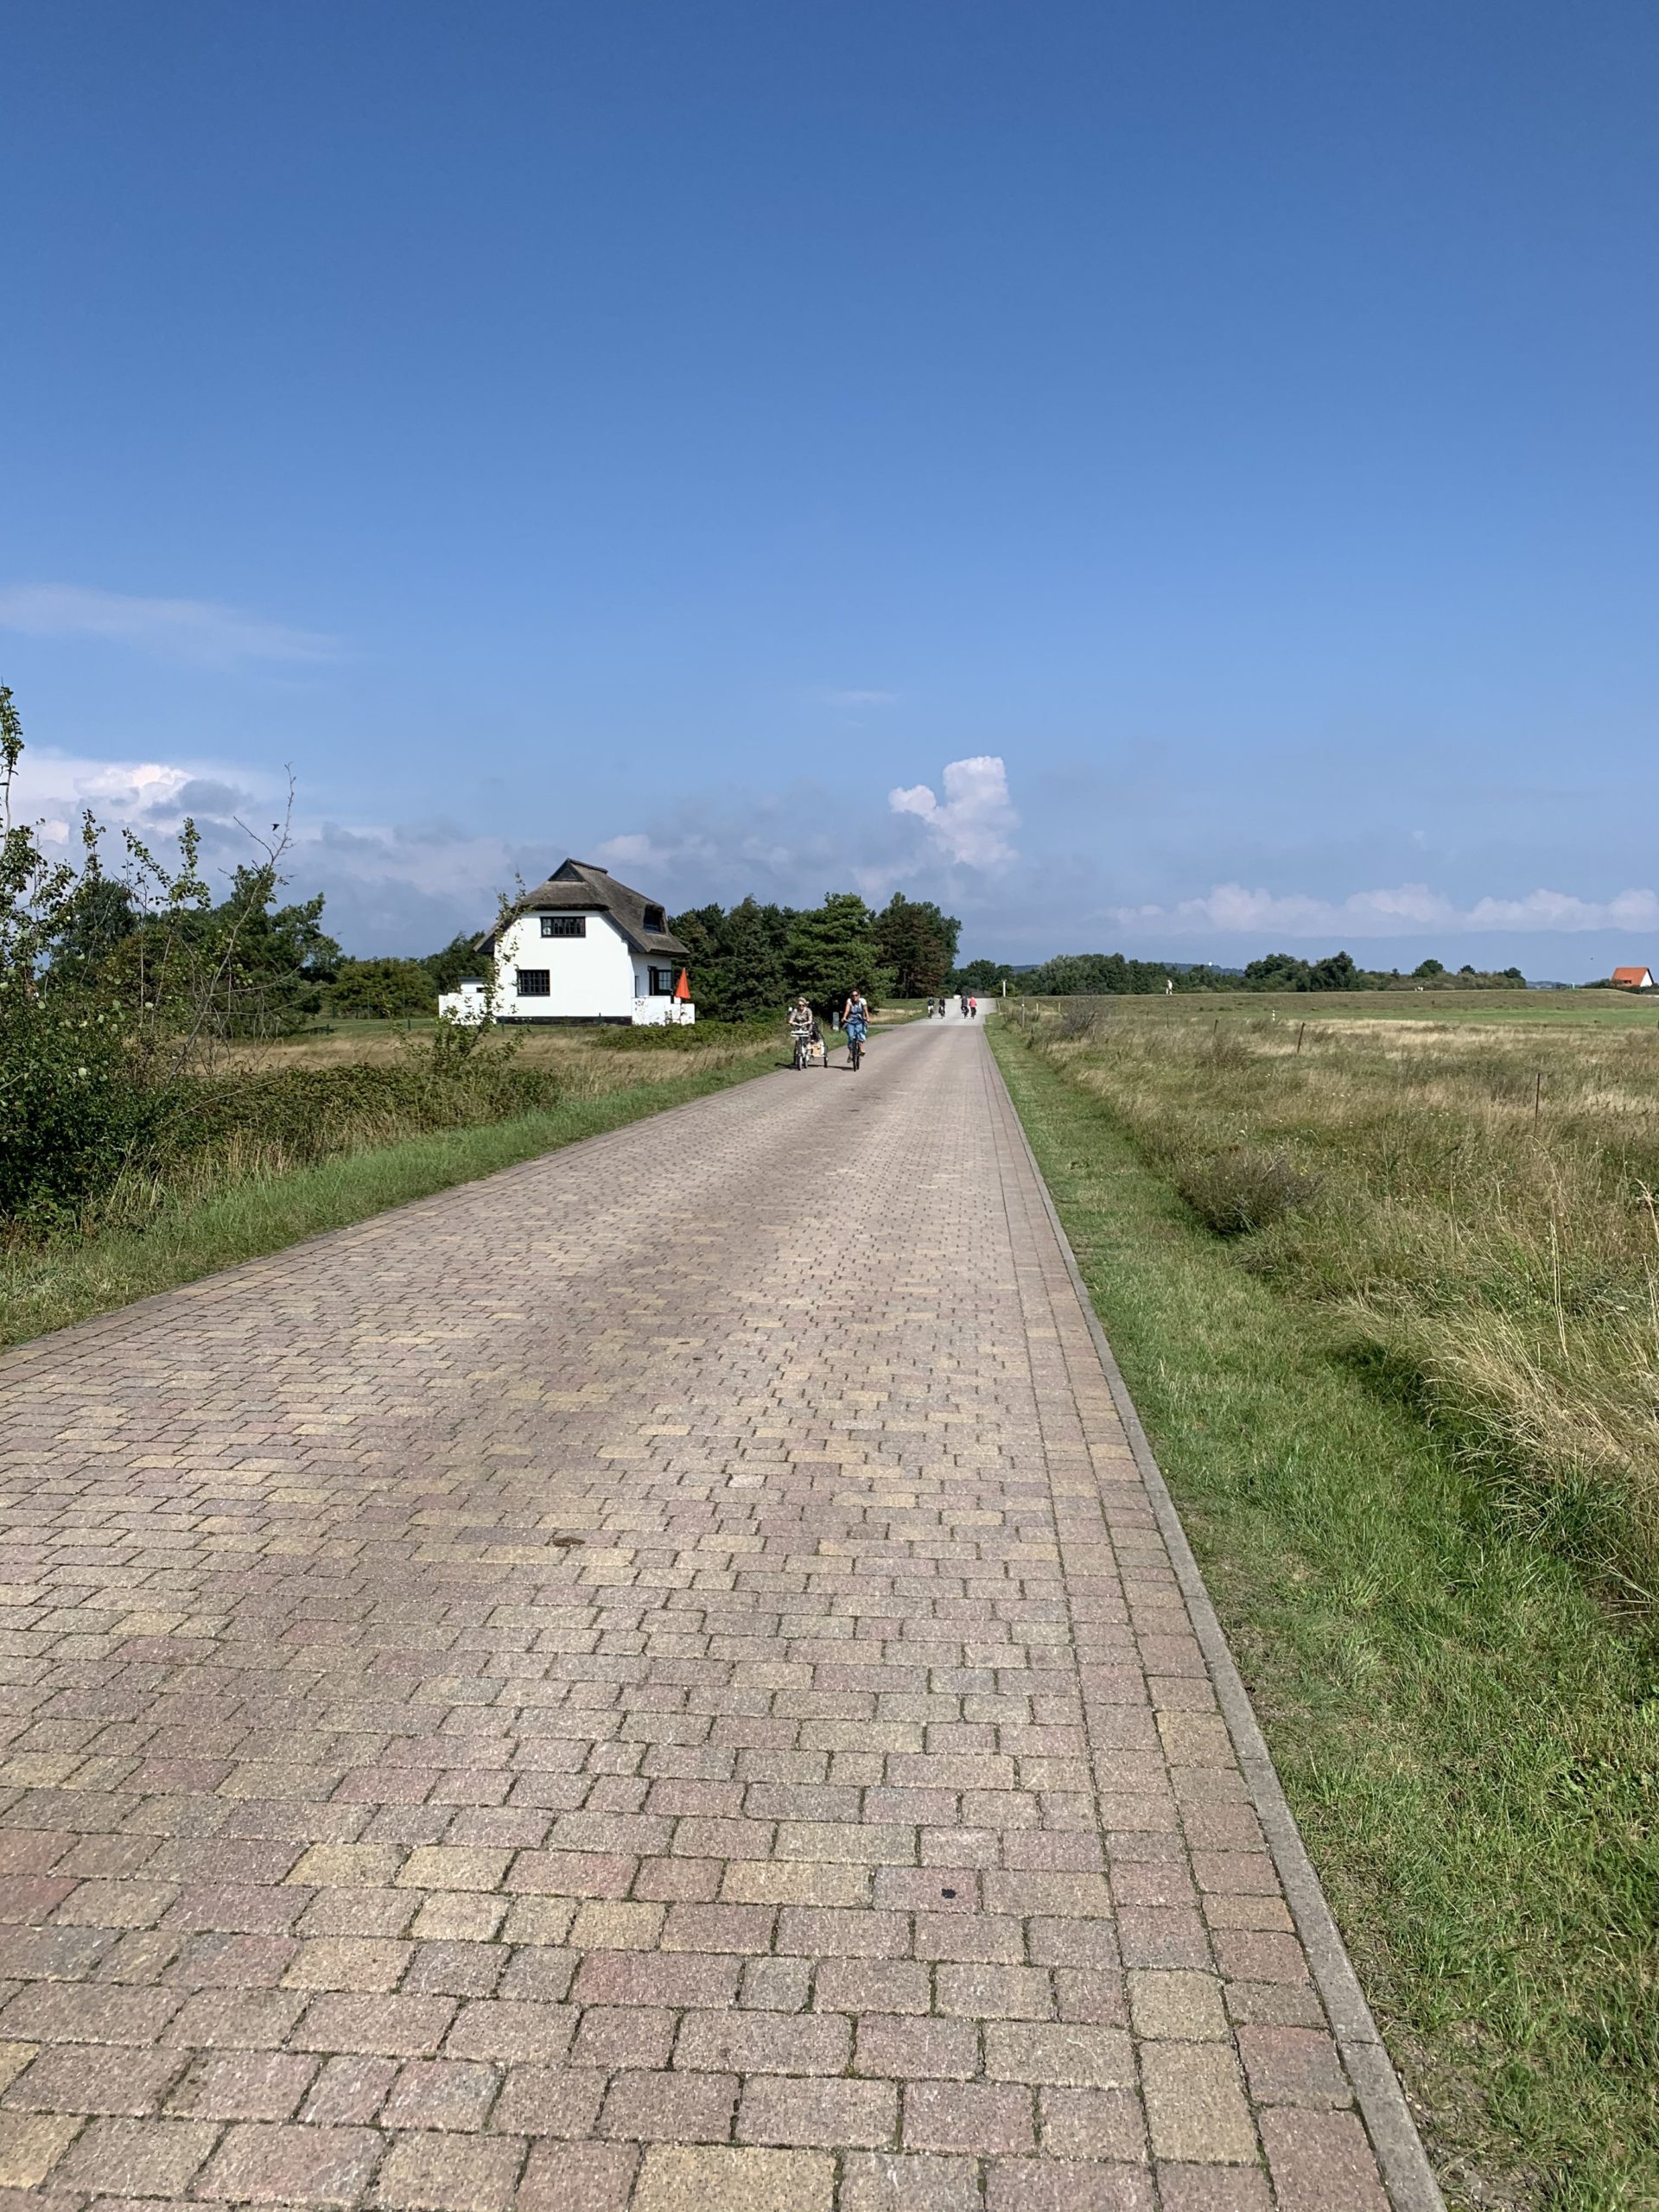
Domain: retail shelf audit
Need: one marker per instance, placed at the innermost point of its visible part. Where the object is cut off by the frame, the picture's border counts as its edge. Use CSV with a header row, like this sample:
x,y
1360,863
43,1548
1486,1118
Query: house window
x,y
564,925
535,983
661,981
654,918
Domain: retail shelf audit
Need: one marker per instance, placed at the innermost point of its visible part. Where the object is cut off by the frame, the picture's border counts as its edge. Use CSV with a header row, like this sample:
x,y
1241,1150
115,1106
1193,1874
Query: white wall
x,y
595,978
591,978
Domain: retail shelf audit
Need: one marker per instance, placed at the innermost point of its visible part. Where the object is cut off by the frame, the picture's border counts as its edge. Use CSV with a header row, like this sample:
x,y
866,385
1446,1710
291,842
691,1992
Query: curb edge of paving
x,y
1406,2171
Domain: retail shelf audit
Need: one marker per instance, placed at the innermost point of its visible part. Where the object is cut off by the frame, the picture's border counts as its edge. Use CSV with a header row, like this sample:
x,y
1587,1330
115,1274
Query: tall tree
x,y
753,958
736,957
832,948
918,942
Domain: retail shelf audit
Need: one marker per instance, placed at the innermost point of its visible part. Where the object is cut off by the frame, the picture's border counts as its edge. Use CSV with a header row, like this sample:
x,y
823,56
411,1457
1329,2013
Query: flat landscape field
x,y
1386,1290
1501,1010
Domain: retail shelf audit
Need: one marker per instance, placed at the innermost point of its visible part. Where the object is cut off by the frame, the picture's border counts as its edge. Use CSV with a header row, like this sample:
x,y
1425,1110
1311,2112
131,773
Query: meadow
x,y
1383,1283
1467,1205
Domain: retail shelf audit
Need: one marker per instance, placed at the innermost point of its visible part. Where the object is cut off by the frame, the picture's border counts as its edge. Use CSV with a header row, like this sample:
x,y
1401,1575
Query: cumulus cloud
x,y
971,824
1407,910
198,630
55,789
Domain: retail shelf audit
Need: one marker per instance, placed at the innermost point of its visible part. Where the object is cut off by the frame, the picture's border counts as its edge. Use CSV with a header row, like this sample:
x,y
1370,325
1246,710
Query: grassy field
x,y
1504,1009
252,1194
1409,1420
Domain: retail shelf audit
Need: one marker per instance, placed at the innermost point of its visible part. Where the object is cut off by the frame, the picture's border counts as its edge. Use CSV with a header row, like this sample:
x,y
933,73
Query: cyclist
x,y
801,1026
855,1021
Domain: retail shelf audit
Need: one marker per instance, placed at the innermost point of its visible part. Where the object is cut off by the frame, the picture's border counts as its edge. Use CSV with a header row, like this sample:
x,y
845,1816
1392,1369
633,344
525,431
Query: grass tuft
x,y
1245,1188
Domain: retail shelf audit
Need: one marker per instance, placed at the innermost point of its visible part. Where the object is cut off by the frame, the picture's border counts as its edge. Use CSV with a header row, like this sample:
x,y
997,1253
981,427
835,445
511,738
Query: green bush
x,y
672,1036
71,1117
307,1113
1244,1188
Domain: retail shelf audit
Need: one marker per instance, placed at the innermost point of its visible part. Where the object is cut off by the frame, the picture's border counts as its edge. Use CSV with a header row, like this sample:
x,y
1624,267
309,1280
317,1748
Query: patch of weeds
x,y
1244,1188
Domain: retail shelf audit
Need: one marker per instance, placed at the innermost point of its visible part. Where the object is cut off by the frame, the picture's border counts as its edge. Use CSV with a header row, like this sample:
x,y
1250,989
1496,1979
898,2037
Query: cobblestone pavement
x,y
649,1681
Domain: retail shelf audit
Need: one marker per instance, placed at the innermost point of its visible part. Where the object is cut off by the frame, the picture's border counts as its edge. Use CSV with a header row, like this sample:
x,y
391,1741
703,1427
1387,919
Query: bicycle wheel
x,y
857,1052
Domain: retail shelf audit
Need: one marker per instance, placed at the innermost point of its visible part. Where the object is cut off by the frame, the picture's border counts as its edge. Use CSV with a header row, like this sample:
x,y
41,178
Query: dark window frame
x,y
564,925
535,983
659,982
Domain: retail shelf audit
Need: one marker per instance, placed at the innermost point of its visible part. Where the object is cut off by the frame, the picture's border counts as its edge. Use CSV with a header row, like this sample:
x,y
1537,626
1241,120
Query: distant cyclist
x,y
855,1021
801,1026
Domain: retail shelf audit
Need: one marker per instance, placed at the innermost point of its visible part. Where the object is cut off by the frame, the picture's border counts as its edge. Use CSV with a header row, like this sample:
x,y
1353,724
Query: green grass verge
x,y
70,1281
1471,1746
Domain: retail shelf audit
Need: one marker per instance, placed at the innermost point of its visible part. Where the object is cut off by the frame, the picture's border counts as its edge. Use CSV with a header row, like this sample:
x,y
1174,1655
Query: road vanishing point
x,y
665,1679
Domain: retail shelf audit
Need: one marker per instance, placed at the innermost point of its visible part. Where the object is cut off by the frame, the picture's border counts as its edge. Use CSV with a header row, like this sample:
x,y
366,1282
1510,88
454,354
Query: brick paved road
x,y
599,1690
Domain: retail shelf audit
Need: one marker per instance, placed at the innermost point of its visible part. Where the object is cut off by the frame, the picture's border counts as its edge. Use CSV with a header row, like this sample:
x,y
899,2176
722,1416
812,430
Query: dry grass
x,y
577,1054
1477,1226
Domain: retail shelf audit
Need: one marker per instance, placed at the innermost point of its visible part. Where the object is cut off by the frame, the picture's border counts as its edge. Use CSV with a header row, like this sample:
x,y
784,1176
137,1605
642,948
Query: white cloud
x,y
970,824
178,629
633,850
54,789
1407,910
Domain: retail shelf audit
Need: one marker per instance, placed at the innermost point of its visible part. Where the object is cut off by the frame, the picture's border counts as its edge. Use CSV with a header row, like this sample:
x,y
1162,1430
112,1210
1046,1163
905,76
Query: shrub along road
x,y
595,1690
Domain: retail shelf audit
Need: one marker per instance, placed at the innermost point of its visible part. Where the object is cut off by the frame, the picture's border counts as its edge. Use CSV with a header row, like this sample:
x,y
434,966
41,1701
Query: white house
x,y
581,948
1634,979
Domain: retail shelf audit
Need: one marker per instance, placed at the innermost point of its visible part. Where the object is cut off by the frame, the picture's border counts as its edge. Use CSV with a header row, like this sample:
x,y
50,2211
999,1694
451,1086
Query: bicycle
x,y
855,1047
803,1050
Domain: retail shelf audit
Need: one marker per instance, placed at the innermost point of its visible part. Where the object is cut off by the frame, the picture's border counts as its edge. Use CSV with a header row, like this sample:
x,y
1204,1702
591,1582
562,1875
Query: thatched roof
x,y
579,888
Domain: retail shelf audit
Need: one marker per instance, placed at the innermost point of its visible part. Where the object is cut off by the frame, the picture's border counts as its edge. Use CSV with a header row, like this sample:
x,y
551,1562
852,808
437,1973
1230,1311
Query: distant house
x,y
582,947
1633,979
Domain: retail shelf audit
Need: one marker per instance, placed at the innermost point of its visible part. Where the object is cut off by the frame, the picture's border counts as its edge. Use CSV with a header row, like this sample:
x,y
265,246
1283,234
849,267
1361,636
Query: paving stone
x,y
441,2093
1048,2185
1182,2007
713,2180
760,2042
30,2146
137,2158
968,2116
81,2078
245,2085
1321,2161
854,1788
583,2177
1293,2066
561,2100
896,2181
450,2173
1196,2108
670,2108
292,2165
1211,2188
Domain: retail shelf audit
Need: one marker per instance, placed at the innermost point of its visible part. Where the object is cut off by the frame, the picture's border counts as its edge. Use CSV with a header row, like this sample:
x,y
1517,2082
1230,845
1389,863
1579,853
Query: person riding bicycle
x,y
856,1021
802,1028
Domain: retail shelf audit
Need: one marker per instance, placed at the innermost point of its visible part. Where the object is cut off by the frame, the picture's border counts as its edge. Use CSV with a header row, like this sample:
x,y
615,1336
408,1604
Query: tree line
x,y
751,958
1100,974
745,961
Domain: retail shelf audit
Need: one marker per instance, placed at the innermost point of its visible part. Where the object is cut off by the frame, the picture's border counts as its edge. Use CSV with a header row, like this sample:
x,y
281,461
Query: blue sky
x,y
1178,477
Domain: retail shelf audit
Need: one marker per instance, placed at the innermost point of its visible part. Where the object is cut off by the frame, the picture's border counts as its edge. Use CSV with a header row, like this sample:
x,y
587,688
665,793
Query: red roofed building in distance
x,y
1633,979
